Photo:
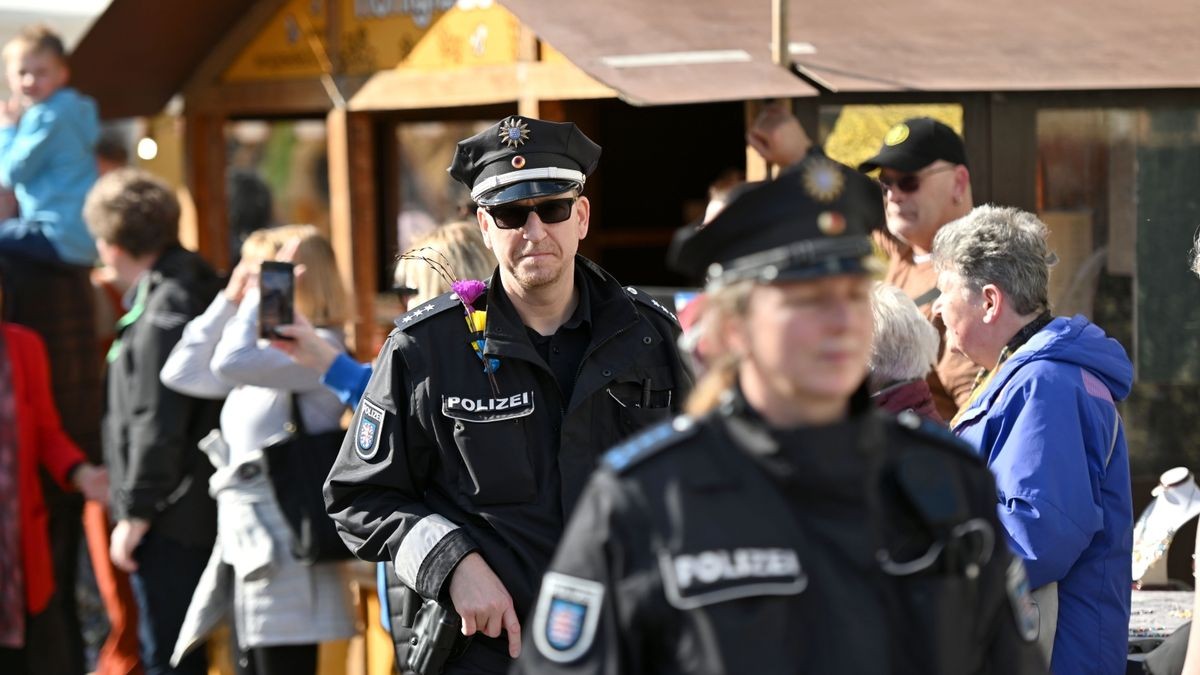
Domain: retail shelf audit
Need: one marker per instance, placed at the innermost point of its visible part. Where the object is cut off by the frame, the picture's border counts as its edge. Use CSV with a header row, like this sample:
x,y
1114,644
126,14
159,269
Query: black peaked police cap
x,y
812,221
522,158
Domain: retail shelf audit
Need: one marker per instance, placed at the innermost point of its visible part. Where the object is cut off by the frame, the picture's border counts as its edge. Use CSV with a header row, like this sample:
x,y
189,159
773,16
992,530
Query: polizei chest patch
x,y
492,409
694,580
369,429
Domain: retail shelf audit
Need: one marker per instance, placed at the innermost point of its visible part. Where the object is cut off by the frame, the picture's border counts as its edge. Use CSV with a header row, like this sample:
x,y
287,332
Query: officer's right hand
x,y
484,604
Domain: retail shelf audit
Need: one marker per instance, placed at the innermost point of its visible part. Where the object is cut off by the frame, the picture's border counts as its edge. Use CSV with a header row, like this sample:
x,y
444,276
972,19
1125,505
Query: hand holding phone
x,y
277,285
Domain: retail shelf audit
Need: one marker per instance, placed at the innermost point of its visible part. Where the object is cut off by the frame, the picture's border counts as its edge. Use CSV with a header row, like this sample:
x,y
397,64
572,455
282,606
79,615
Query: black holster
x,y
425,633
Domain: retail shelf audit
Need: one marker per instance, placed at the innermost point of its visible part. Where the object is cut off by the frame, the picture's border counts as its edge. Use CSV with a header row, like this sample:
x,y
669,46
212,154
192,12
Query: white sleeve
x,y
187,369
239,359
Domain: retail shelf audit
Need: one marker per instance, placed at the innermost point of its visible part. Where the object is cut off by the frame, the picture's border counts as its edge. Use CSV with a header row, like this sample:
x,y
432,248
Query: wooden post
x,y
780,48
353,220
757,168
205,142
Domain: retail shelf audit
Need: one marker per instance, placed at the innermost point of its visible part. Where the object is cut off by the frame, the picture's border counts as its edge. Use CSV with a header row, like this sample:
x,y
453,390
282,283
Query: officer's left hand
x,y
484,604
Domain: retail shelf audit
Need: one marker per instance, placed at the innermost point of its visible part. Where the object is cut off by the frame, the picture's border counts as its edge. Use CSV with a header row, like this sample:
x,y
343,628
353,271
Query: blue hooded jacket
x,y
1048,426
48,160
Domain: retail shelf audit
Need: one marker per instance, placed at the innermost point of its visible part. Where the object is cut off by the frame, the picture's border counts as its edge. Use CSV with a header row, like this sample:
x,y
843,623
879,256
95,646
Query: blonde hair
x,y
906,344
320,294
260,245
458,246
721,306
38,38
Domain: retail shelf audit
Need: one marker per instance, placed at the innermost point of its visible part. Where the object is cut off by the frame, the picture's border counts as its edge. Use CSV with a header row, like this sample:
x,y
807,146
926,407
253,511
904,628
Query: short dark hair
x,y
134,210
111,146
37,38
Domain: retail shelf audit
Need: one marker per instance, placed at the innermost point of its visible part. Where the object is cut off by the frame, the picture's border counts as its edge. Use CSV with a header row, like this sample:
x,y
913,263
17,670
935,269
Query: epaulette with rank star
x,y
425,310
650,301
649,443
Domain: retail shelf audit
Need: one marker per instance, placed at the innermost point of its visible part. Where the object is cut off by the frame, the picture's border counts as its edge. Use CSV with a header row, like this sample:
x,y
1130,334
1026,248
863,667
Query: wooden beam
x,y
284,97
354,220
757,168
209,72
482,85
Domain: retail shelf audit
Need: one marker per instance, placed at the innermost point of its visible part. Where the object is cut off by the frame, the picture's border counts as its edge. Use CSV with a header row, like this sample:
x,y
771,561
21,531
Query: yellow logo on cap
x,y
823,181
896,135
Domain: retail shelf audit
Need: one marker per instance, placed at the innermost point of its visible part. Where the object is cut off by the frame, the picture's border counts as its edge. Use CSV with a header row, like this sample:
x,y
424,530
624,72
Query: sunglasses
x,y
512,217
910,182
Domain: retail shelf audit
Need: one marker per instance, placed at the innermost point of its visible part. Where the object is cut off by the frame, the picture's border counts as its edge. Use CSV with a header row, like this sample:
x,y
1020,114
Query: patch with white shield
x,y
369,429
491,409
694,580
568,611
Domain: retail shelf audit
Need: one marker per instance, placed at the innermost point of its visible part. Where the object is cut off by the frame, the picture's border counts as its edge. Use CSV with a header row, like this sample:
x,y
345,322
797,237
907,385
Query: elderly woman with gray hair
x,y
1044,418
904,350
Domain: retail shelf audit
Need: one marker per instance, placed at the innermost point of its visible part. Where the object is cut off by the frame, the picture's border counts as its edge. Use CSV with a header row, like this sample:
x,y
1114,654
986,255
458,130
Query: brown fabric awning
x,y
140,53
878,45
667,51
1015,45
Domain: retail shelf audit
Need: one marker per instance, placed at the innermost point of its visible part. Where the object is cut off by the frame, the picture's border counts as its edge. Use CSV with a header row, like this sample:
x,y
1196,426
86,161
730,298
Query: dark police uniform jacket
x,y
437,464
717,545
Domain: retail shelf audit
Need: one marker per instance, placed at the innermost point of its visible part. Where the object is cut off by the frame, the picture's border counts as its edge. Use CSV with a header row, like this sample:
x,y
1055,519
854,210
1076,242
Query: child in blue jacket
x,y
47,135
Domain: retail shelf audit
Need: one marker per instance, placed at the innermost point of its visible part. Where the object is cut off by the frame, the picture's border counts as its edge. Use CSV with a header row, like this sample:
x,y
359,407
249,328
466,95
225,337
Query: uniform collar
x,y
603,304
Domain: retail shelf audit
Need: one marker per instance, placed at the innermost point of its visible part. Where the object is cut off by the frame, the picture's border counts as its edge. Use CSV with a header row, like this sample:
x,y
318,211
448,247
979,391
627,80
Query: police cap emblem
x,y
823,180
514,132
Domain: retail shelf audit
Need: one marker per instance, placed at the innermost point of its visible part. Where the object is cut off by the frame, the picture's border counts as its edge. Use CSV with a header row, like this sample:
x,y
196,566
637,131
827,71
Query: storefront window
x,y
427,195
1117,189
277,174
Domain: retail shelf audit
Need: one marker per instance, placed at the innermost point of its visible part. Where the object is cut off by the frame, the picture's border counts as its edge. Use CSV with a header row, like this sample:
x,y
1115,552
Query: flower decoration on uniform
x,y
514,132
468,292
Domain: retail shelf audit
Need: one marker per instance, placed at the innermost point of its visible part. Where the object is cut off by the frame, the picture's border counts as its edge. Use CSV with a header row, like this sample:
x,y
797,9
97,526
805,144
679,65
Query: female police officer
x,y
784,526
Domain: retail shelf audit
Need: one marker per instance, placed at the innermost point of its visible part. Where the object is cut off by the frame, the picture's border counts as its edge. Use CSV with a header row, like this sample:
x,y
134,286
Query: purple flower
x,y
468,290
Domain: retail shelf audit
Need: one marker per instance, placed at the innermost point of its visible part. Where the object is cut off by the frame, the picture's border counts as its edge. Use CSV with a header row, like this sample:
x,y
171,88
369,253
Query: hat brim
x,y
530,189
897,160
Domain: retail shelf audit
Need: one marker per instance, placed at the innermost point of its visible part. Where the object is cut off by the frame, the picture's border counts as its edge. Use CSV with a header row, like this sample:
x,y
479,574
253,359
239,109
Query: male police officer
x,y
462,467
787,526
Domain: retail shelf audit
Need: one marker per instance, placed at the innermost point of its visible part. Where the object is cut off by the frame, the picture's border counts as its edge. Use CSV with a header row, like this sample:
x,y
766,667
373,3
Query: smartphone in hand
x,y
277,285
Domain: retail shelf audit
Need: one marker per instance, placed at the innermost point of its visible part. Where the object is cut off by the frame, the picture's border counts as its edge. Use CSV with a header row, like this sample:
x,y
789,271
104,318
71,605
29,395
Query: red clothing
x,y
913,395
41,441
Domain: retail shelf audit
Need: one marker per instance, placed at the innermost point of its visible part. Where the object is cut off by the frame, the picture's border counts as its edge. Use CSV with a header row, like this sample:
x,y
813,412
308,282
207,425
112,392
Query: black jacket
x,y
718,545
437,464
150,432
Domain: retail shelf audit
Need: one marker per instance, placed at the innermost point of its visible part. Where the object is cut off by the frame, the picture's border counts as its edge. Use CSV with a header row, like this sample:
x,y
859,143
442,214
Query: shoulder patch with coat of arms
x,y
1025,611
568,611
368,430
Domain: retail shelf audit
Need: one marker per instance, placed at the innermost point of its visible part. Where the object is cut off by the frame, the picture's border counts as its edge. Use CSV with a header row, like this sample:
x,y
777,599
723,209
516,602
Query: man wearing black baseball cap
x,y
923,170
489,407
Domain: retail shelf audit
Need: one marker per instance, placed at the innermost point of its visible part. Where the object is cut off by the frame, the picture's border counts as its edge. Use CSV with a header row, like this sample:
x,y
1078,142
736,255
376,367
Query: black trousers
x,y
281,660
43,652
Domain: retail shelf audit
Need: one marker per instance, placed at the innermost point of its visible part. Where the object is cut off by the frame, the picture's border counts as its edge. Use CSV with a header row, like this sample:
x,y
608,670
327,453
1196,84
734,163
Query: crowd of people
x,y
819,472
